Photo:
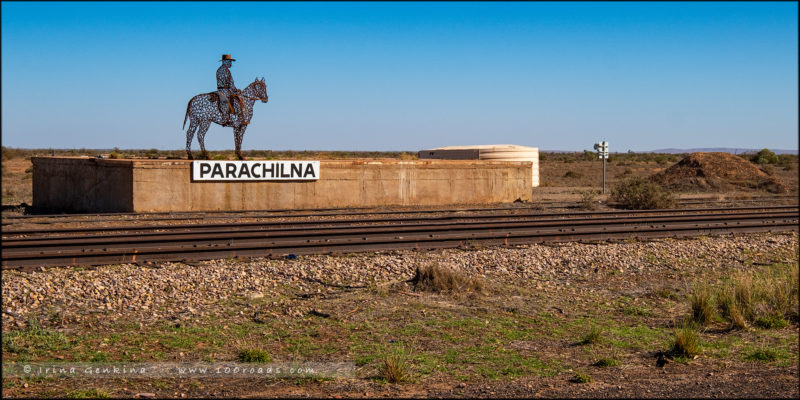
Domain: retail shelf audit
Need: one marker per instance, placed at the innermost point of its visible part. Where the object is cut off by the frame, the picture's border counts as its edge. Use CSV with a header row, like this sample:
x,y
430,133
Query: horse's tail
x,y
187,113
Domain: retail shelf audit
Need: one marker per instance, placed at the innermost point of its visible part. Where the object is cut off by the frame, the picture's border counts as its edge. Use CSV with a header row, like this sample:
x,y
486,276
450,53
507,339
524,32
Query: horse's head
x,y
260,89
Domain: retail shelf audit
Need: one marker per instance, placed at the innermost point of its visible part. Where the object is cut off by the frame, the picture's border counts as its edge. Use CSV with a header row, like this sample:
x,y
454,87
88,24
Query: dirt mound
x,y
717,171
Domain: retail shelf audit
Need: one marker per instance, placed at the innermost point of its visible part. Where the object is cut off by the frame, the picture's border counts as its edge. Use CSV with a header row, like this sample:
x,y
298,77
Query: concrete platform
x,y
85,184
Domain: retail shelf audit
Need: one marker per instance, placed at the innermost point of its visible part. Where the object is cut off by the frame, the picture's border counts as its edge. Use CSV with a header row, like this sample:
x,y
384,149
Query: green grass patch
x,y
595,335
606,362
254,356
636,337
88,394
635,311
99,356
35,340
764,355
772,321
581,378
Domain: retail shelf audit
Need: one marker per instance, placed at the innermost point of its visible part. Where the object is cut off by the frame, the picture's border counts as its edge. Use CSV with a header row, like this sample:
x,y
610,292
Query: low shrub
x,y
639,194
588,200
573,175
625,173
765,156
787,161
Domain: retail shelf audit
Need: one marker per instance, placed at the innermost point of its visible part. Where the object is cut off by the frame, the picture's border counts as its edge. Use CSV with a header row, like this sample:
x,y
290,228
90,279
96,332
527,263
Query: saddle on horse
x,y
224,100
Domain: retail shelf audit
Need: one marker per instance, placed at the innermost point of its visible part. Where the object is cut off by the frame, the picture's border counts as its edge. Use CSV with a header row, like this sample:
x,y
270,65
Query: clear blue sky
x,y
406,76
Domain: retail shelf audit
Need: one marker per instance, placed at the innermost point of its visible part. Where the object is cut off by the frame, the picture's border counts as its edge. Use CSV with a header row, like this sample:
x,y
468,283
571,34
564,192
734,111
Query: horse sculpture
x,y
203,109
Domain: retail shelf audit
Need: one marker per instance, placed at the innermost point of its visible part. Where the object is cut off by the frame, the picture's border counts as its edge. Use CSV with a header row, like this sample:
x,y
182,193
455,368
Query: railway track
x,y
137,243
49,219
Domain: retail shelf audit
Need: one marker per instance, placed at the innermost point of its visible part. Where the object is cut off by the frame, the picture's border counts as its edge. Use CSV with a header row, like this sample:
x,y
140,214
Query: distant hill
x,y
731,150
719,149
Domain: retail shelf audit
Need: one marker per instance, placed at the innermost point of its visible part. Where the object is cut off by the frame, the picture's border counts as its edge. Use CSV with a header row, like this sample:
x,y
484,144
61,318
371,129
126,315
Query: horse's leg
x,y
201,137
189,137
238,135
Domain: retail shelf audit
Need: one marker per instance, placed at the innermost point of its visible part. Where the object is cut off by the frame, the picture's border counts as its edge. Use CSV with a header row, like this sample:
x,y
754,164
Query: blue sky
x,y
406,76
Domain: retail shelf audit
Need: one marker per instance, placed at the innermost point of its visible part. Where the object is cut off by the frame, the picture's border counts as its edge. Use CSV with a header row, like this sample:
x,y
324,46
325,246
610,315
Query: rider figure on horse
x,y
226,88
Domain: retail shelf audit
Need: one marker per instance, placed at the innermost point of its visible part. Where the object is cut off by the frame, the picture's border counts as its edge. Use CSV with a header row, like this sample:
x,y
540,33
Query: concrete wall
x,y
165,185
82,184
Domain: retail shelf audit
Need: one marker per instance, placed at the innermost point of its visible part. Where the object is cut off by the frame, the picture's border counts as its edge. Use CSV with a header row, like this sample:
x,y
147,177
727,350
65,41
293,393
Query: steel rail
x,y
455,215
352,240
322,228
279,213
214,240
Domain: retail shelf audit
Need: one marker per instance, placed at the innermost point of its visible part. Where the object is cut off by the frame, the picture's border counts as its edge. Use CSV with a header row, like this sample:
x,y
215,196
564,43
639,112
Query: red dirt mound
x,y
717,171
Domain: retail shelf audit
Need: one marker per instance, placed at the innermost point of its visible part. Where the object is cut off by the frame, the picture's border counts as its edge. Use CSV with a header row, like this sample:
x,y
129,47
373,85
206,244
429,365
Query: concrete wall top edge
x,y
328,163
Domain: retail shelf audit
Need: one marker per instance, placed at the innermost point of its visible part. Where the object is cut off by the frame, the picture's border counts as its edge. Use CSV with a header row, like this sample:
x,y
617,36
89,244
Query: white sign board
x,y
266,170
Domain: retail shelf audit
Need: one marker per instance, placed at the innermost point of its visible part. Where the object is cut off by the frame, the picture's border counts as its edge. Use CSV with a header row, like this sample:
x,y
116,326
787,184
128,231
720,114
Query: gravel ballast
x,y
169,291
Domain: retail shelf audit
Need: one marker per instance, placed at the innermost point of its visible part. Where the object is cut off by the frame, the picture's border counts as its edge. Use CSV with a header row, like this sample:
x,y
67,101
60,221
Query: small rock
x,y
145,395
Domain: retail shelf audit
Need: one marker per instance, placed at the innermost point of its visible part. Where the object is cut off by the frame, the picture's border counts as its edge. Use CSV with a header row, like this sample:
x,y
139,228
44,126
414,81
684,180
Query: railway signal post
x,y
602,152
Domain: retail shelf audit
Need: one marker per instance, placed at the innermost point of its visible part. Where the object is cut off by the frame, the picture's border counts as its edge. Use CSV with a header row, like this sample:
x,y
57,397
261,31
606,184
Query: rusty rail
x,y
315,237
286,213
443,215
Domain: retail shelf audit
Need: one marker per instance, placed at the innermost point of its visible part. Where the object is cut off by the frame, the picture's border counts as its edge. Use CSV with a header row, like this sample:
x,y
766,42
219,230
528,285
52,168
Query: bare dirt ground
x,y
569,320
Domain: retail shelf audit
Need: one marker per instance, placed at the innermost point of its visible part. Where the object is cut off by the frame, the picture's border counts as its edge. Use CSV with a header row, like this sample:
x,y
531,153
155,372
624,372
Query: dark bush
x,y
589,156
588,200
639,194
765,156
787,161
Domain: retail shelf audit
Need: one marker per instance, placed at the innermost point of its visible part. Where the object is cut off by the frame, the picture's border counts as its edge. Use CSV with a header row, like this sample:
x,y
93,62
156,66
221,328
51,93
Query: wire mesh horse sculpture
x,y
203,109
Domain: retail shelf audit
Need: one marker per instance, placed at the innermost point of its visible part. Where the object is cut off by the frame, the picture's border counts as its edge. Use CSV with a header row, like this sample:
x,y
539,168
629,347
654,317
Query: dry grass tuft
x,y
393,369
743,294
685,343
765,300
702,302
594,335
433,278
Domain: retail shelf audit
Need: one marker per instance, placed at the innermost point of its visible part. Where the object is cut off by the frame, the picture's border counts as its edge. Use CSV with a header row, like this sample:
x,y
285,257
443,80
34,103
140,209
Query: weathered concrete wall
x,y
165,185
82,184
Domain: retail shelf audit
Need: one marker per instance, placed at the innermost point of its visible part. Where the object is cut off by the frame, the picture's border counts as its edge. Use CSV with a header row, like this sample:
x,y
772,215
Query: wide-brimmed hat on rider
x,y
227,57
